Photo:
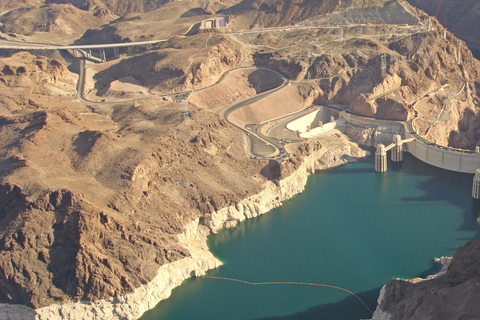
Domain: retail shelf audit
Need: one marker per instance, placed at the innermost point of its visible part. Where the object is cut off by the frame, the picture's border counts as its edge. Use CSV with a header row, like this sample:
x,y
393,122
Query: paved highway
x,y
261,147
20,45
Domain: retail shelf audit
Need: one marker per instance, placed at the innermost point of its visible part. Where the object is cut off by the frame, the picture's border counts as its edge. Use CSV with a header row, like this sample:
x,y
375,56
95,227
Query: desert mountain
x,y
62,22
97,196
462,20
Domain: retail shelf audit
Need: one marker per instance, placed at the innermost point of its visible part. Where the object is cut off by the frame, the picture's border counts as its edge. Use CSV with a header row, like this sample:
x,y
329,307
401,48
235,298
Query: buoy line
x,y
292,283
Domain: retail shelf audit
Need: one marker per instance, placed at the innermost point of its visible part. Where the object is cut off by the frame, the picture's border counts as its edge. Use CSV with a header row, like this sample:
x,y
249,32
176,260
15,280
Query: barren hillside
x,y
115,184
55,23
96,197
462,19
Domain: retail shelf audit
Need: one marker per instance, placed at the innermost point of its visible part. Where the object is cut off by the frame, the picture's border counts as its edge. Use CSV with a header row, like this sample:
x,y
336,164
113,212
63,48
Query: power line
x,y
438,8
186,114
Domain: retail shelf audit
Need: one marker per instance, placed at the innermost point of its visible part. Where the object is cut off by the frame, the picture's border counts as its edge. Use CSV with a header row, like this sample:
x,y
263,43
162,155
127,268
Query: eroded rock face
x,y
452,295
101,206
29,75
109,234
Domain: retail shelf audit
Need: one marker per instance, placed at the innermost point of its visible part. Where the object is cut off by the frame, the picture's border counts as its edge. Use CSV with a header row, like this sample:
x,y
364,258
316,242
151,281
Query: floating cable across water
x,y
292,283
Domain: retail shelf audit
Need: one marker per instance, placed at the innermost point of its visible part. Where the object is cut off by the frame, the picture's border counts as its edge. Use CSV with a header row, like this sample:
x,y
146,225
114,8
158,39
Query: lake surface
x,y
351,228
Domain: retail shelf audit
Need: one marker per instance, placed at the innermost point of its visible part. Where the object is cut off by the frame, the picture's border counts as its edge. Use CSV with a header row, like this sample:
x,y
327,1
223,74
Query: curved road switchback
x,y
81,85
260,146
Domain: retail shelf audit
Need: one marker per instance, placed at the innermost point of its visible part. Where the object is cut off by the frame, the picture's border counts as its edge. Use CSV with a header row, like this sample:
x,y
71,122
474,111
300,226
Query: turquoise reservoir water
x,y
352,228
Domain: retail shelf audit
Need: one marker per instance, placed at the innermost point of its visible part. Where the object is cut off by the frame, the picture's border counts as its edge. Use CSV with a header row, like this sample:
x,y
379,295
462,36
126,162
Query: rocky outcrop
x,y
132,305
61,19
24,73
450,294
378,103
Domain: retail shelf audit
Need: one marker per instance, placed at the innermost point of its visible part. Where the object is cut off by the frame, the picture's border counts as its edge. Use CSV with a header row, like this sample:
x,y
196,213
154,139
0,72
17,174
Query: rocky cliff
x,y
451,294
104,208
188,256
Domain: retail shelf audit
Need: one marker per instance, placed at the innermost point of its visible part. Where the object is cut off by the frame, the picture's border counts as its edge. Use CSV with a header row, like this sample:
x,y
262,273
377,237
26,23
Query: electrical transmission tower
x,y
447,106
428,25
383,65
392,59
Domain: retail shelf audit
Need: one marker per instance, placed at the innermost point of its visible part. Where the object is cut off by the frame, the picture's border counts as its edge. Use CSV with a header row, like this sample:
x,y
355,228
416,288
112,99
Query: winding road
x,y
260,146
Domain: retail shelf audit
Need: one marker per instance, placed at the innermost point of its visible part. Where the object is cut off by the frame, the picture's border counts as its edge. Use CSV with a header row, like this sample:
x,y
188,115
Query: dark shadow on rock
x,y
37,122
263,80
261,59
74,67
107,34
143,69
34,122
194,13
10,165
66,243
239,8
85,141
63,253
271,171
12,203
349,308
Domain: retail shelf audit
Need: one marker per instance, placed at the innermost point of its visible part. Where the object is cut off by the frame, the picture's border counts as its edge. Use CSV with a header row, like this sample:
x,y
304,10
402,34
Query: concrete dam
x,y
451,159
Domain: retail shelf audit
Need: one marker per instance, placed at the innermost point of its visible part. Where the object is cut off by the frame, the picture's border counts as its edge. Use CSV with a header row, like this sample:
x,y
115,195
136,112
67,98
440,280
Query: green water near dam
x,y
351,228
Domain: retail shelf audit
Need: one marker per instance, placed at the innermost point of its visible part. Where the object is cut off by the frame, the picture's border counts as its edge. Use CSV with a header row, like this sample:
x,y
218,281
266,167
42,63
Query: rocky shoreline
x,y
333,150
452,293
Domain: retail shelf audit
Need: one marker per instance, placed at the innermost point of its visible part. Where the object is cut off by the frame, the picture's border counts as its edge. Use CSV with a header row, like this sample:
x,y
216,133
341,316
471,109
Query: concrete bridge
x,y
87,49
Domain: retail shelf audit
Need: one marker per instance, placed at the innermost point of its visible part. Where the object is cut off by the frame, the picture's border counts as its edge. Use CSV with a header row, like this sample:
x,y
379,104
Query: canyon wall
x,y
451,294
328,151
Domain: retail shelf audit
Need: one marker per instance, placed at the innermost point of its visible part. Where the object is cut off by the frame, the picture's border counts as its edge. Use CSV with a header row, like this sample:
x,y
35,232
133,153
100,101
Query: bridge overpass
x,y
87,48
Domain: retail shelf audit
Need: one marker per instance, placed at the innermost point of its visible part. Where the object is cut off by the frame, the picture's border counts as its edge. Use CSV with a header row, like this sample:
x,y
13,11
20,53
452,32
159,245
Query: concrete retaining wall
x,y
311,120
324,128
